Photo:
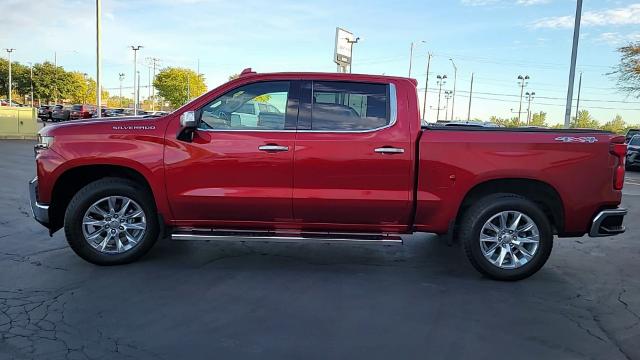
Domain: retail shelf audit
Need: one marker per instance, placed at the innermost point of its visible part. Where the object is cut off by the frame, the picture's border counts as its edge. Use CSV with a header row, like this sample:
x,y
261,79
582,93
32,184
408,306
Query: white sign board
x,y
342,53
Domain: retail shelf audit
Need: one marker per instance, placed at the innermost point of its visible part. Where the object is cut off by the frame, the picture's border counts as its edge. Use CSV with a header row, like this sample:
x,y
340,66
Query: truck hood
x,y
103,126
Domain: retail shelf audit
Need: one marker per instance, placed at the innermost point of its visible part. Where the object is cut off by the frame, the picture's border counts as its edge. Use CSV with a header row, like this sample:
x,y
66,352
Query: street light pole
x,y
441,81
523,82
426,86
98,59
530,96
135,49
410,58
579,89
121,77
9,51
447,96
470,96
455,80
154,62
31,80
572,69
138,91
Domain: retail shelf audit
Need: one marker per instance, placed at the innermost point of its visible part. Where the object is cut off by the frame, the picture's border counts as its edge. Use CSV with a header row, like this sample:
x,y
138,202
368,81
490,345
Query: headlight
x,y
44,142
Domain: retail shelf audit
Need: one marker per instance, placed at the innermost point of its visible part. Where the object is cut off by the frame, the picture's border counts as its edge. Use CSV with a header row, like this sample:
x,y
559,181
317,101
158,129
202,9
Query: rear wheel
x,y
111,221
506,236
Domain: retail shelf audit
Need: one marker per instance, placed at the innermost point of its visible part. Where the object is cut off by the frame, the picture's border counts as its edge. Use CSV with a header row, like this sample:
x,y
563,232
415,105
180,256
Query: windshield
x,y
635,141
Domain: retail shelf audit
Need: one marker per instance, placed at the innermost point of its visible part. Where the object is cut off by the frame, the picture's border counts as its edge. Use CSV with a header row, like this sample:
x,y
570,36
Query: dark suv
x,y
73,112
631,133
633,152
45,111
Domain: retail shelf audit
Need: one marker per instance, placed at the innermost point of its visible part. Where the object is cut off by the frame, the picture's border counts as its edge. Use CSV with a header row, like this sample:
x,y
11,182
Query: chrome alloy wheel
x,y
509,239
114,224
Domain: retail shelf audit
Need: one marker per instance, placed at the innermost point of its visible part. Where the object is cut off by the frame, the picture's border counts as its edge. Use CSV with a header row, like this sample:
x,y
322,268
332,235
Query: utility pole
x,y
98,60
9,51
198,67
31,77
523,82
455,80
411,55
447,96
138,92
572,69
188,89
426,86
55,76
154,62
470,96
121,77
441,81
579,88
530,96
135,49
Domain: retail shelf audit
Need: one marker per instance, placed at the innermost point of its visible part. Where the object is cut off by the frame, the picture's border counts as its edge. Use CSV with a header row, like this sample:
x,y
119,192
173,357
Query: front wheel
x,y
111,221
506,236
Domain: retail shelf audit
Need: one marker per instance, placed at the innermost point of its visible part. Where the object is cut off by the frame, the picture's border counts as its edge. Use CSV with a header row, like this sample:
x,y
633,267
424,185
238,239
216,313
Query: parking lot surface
x,y
204,300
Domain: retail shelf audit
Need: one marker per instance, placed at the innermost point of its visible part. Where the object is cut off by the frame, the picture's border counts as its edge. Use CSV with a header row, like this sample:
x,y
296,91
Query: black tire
x,y
478,214
95,191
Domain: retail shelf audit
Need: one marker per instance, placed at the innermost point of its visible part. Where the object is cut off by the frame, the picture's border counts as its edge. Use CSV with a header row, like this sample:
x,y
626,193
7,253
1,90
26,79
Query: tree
x,y
51,82
628,70
20,77
584,120
539,119
174,83
616,125
233,76
510,123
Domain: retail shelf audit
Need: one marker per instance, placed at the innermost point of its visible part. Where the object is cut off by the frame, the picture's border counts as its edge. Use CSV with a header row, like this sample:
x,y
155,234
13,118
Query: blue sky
x,y
495,39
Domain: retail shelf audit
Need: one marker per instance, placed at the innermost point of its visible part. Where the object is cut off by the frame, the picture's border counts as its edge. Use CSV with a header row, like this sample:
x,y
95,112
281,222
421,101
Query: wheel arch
x,y
73,179
540,192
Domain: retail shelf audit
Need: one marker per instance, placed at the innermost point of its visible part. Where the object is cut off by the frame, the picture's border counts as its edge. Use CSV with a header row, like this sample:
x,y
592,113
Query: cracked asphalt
x,y
203,300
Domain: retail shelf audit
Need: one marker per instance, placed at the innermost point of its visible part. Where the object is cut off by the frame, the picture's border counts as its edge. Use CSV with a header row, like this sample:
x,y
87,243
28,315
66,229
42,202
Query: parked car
x,y
346,162
157,113
5,102
633,152
130,112
631,133
73,112
114,112
45,111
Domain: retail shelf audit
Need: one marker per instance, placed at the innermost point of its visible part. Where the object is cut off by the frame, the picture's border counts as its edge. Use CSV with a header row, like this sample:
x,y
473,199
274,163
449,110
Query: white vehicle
x,y
249,112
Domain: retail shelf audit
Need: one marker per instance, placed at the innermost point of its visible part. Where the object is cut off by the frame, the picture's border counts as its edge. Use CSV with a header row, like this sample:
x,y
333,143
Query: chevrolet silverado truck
x,y
343,158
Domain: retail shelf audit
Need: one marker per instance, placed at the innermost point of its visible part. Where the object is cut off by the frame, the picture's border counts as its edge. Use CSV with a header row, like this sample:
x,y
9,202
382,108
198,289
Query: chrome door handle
x,y
389,150
273,148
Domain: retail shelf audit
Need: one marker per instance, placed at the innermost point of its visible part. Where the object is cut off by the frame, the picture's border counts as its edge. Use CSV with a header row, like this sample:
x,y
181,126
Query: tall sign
x,y
343,49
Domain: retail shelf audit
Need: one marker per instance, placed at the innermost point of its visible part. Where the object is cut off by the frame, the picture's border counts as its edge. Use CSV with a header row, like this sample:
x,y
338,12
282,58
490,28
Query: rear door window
x,y
349,106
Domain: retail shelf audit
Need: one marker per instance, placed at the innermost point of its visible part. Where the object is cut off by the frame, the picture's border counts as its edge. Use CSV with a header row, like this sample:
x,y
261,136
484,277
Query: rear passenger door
x,y
352,161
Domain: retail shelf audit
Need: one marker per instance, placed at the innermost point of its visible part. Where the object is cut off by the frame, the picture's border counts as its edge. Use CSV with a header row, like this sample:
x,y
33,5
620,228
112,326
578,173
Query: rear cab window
x,y
349,106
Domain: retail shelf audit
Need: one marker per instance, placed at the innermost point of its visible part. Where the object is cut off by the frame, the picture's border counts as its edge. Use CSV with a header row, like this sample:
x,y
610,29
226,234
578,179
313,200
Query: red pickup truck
x,y
335,158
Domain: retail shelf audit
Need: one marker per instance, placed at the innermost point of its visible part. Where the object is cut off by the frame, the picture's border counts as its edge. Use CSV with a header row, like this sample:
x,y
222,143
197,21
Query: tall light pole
x,y
447,96
455,80
154,62
351,42
572,69
579,89
31,81
411,55
523,82
135,49
426,86
121,77
9,51
98,60
138,93
441,81
530,96
470,96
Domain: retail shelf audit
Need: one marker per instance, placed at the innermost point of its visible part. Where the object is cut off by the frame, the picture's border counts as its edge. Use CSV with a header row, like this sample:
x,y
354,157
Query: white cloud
x,y
616,38
629,15
533,2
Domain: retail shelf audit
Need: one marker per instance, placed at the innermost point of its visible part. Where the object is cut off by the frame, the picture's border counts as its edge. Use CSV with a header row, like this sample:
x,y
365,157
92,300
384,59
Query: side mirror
x,y
188,120
188,125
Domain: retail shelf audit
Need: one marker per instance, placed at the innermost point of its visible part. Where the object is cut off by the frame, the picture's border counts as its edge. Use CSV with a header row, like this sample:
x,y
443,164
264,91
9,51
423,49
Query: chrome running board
x,y
285,236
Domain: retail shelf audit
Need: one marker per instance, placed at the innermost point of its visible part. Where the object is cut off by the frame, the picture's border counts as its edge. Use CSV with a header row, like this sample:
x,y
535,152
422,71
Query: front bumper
x,y
40,212
608,223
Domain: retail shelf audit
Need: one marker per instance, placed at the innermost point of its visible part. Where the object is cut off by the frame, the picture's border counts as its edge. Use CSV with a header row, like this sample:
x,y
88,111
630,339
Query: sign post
x,y
342,55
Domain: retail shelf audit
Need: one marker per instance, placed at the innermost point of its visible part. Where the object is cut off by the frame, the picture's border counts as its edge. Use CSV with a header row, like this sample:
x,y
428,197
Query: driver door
x,y
237,169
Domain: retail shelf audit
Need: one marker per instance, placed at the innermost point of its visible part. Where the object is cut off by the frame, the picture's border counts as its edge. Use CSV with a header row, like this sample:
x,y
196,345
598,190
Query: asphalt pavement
x,y
205,300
